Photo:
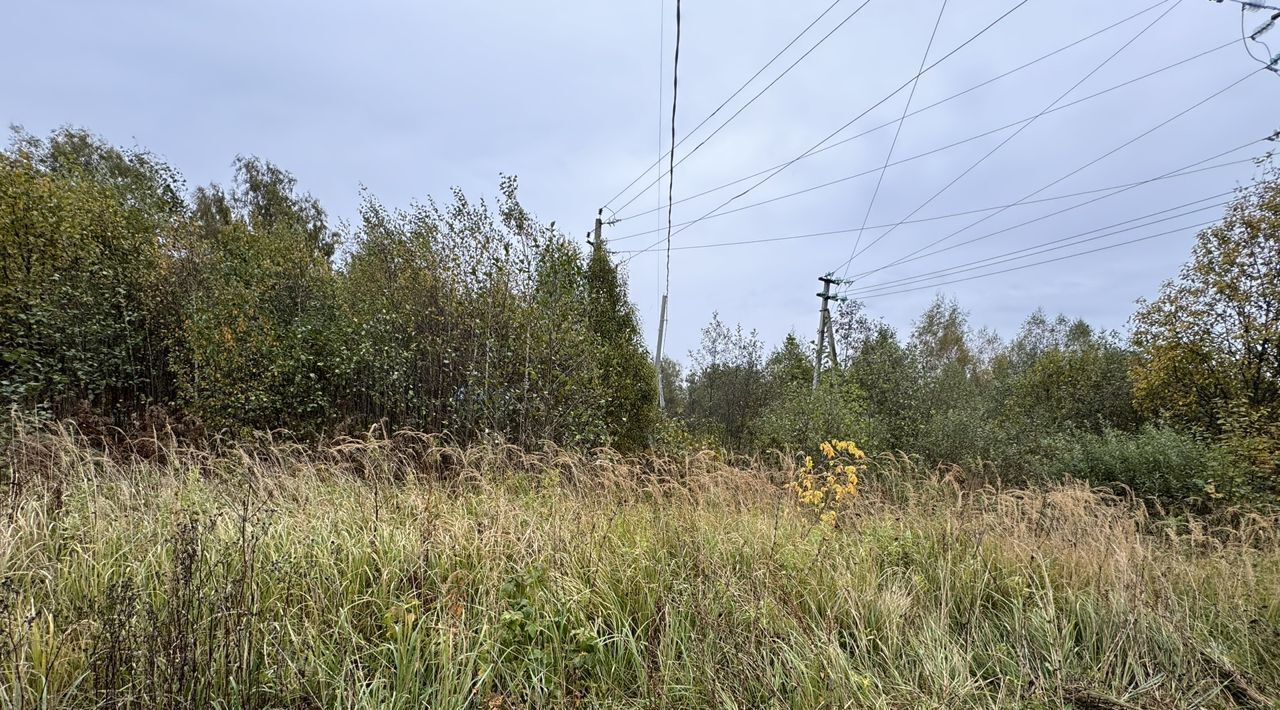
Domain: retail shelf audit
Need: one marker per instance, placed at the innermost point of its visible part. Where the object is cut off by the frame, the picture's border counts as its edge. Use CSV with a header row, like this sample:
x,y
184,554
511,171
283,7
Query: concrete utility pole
x,y
657,353
831,335
825,331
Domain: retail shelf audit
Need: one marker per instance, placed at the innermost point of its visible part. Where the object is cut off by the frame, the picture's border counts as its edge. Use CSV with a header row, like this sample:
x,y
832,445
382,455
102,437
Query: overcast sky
x,y
411,98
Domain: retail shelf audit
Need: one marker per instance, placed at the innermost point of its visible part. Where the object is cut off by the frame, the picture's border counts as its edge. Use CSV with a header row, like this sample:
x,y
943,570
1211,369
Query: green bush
x,y
800,418
84,308
1158,462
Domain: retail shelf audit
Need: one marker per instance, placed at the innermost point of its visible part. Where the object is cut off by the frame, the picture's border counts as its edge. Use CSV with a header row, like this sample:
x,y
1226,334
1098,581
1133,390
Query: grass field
x,y
401,573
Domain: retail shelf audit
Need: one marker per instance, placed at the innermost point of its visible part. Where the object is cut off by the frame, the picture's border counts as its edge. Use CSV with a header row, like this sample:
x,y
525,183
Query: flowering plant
x,y
829,486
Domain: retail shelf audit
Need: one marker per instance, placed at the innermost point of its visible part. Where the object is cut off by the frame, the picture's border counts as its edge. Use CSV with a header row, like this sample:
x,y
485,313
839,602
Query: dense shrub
x,y
800,417
727,387
258,347
1155,461
462,318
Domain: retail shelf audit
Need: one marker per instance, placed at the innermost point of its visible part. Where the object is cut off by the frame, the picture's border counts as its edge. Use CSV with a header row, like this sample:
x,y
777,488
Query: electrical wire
x,y
658,163
662,58
1185,170
925,154
891,94
1252,5
1044,247
671,173
1084,167
1038,263
1268,62
1015,134
758,95
921,220
975,87
901,121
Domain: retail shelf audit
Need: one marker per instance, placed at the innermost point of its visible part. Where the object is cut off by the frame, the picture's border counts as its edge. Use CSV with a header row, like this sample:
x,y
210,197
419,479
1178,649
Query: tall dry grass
x,y
400,572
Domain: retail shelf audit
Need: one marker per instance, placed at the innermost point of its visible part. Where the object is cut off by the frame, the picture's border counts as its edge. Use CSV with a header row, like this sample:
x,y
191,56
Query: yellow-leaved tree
x,y
1209,344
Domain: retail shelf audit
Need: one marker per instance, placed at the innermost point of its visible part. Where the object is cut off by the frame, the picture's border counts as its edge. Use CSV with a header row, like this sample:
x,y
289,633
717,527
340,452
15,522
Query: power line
x,y
933,151
1271,60
671,173
758,95
901,121
933,105
1037,263
1016,133
873,106
745,84
850,230
1087,165
830,183
662,58
916,256
1044,247
671,186
859,116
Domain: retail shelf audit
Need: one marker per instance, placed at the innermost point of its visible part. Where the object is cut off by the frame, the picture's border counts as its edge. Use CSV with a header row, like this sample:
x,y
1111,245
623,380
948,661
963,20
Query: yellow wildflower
x,y
826,488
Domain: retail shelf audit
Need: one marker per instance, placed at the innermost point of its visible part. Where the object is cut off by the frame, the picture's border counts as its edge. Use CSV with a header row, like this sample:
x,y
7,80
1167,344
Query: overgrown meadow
x,y
400,572
1081,517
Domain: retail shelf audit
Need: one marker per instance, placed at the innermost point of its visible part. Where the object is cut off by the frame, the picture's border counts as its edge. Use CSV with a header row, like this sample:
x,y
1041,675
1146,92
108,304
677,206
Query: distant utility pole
x,y
826,334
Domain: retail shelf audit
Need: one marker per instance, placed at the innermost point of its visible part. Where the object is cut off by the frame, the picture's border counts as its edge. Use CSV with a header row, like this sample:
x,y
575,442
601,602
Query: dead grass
x,y
397,571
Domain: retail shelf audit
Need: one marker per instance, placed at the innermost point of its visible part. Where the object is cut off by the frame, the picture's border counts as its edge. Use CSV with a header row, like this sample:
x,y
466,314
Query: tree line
x,y
125,296
128,299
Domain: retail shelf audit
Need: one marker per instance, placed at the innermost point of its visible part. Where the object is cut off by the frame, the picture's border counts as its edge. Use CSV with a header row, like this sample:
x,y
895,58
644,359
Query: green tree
x,y
629,380
941,339
1065,376
789,366
798,417
1209,344
727,384
465,318
85,231
673,388
258,347
887,375
958,423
